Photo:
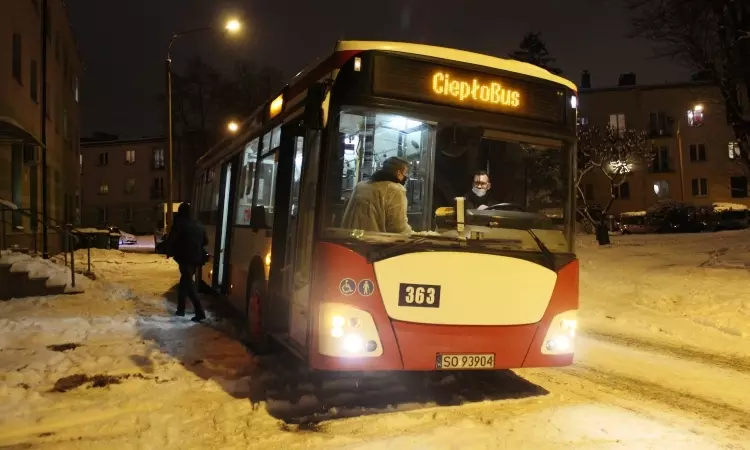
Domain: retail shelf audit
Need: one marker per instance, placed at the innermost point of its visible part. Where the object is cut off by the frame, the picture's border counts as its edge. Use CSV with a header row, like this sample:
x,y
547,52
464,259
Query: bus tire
x,y
257,338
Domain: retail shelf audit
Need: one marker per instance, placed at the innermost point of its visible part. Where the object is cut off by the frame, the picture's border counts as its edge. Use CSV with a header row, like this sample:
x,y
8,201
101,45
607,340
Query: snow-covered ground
x,y
661,363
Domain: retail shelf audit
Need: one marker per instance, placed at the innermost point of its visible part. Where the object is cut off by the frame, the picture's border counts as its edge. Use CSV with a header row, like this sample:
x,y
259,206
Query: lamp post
x,y
232,26
694,118
45,191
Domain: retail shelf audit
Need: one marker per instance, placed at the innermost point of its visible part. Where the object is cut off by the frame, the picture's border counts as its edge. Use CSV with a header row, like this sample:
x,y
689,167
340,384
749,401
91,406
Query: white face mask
x,y
479,192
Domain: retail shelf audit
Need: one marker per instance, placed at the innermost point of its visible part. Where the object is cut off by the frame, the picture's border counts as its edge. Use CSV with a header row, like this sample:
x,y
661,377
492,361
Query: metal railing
x,y
69,239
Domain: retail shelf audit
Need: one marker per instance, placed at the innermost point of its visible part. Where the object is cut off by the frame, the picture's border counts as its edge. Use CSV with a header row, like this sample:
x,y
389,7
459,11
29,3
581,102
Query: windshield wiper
x,y
376,255
548,255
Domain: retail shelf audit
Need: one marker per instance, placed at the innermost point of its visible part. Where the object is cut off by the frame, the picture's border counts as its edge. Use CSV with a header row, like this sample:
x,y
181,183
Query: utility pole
x,y
43,115
170,144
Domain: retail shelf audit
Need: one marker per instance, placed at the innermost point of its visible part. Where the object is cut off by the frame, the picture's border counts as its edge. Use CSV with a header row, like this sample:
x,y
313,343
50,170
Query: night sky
x,y
123,43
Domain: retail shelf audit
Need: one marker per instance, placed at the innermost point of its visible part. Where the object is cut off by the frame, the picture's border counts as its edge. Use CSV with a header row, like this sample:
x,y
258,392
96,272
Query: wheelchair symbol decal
x,y
365,288
347,286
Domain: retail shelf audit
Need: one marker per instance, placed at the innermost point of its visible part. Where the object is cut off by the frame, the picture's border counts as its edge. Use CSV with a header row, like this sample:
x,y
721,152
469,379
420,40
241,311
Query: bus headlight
x,y
561,334
346,331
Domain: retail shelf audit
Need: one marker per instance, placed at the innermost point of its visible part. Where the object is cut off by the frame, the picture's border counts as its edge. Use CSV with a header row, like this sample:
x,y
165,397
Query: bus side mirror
x,y
314,108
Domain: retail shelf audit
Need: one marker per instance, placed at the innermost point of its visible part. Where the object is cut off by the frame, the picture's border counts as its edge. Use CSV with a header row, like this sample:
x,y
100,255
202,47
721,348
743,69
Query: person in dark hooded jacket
x,y
185,244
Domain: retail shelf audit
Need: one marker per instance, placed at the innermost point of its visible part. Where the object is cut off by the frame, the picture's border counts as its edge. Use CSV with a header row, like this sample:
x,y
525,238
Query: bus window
x,y
297,178
267,185
207,195
245,187
272,139
528,175
366,139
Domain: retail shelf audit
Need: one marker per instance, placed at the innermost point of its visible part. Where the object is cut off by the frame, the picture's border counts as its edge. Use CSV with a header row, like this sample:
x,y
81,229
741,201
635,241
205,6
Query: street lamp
x,y
694,119
233,126
232,26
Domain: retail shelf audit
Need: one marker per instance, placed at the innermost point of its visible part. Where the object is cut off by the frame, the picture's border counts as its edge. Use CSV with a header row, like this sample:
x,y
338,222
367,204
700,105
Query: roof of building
x,y
457,55
85,143
646,87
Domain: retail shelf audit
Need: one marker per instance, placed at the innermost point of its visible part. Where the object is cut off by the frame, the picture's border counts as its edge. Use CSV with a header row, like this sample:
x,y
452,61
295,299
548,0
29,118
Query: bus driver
x,y
379,204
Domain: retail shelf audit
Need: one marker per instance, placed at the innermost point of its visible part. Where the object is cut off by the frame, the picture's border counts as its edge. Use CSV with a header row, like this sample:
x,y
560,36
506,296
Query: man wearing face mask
x,y
478,197
379,204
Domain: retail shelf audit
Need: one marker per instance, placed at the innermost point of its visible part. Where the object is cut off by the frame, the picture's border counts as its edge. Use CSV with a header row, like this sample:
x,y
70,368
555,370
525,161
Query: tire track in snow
x,y
694,354
695,404
687,380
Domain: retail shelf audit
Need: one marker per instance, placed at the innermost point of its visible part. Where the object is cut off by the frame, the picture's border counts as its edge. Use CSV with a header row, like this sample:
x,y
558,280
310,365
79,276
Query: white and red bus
x,y
470,289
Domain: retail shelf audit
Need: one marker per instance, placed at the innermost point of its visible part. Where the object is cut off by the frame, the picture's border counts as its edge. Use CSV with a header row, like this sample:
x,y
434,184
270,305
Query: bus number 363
x,y
420,295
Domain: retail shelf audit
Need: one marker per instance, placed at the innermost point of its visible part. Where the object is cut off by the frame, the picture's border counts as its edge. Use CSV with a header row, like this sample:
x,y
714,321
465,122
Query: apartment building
x,y
696,155
124,182
21,103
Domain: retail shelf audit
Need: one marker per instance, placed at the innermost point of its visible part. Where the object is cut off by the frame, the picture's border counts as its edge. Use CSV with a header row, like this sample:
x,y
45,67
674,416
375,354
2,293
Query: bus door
x,y
300,240
292,245
226,206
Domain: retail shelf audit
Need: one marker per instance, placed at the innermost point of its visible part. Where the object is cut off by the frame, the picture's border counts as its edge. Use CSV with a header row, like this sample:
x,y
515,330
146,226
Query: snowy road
x,y
135,377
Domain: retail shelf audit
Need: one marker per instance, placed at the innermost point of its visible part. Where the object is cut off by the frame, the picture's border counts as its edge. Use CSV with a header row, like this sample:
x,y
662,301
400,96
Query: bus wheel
x,y
257,337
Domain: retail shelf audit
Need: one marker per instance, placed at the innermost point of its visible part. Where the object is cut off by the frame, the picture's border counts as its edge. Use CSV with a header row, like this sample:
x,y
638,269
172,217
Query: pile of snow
x,y
633,214
57,275
723,206
90,231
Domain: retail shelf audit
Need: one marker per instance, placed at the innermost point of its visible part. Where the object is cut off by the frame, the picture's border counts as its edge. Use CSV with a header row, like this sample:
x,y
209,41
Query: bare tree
x,y
614,153
203,100
711,37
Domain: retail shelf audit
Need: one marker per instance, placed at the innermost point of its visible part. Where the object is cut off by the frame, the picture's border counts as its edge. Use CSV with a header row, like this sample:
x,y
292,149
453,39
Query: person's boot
x,y
198,317
179,313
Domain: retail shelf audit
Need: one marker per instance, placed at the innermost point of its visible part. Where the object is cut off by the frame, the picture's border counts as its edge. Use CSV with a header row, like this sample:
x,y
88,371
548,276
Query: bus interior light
x,y
357,64
574,102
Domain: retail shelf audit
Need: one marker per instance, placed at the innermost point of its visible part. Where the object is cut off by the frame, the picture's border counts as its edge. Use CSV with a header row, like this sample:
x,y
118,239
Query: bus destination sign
x,y
474,91
410,79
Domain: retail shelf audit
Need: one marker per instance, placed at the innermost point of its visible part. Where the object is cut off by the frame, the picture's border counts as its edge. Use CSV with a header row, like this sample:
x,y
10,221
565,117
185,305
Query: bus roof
x,y
346,49
453,54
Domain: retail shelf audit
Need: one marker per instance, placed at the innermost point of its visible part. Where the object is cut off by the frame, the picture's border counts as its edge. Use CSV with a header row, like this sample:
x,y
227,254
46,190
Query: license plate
x,y
465,361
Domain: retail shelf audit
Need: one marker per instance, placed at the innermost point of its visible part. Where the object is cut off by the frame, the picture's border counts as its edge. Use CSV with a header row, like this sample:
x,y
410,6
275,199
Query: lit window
x,y
129,156
661,189
695,116
158,158
103,188
734,150
129,186
617,121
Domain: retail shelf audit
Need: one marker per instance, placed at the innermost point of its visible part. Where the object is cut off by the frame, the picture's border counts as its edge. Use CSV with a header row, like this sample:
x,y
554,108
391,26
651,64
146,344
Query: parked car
x,y
127,239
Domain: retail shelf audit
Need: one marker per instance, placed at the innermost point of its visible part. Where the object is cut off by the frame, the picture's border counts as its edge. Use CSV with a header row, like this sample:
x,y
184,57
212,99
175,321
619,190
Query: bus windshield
x,y
528,180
